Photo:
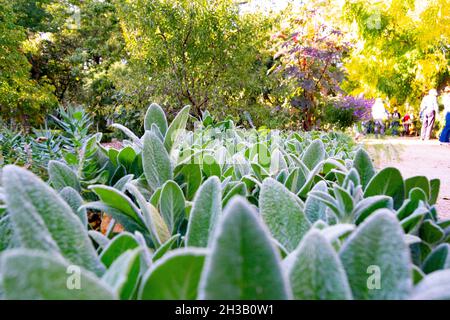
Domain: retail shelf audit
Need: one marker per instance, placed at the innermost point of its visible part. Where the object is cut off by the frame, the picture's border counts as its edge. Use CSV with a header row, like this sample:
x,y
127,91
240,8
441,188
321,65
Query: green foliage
x,y
243,264
199,52
315,271
400,54
37,275
285,215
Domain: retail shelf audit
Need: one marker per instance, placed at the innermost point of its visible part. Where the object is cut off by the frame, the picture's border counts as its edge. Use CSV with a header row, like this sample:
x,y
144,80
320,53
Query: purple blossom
x,y
361,107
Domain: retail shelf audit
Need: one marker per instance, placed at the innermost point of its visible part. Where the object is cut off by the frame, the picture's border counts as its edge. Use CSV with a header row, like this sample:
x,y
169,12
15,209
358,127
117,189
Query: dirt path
x,y
414,157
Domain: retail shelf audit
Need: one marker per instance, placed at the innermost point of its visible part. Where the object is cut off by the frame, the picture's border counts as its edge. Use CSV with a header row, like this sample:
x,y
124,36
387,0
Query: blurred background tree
x,y
265,63
198,52
402,48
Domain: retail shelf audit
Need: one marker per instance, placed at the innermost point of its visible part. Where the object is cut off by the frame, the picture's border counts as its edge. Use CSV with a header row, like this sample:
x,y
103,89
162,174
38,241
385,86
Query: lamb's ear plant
x,y
243,263
176,276
36,275
155,116
236,215
378,247
156,161
42,220
205,213
283,213
315,270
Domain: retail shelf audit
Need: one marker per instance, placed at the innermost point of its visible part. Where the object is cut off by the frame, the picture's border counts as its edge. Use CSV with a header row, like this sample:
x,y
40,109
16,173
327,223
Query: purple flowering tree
x,y
309,54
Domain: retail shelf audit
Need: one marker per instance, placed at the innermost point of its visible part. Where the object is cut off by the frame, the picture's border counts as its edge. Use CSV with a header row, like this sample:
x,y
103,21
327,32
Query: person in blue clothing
x,y
445,134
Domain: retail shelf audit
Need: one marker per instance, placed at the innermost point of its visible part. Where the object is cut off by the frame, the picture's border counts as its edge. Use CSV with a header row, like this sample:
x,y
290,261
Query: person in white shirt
x,y
445,134
429,109
379,115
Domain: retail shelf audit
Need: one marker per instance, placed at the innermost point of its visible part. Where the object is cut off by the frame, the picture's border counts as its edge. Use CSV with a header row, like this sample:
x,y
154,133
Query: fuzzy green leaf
x,y
155,161
155,115
117,246
176,276
363,164
315,270
376,259
122,276
314,154
282,214
44,221
172,206
243,263
177,126
387,182
205,212
61,176
36,275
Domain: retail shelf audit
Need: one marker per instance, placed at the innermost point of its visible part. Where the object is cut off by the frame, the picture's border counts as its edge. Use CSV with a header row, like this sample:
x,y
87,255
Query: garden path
x,y
414,157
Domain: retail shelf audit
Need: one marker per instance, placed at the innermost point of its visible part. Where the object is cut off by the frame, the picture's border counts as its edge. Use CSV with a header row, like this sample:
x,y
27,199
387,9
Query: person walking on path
x,y
395,121
445,134
407,120
429,109
379,115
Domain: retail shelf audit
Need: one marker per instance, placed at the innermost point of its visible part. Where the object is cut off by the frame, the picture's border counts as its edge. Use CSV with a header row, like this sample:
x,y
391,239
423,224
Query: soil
x,y
415,157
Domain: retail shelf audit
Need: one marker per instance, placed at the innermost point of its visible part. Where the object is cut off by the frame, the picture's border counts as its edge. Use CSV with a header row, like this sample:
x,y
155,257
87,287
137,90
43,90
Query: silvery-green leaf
x,y
135,139
191,175
387,182
282,214
176,127
369,205
37,275
418,274
438,259
431,232
43,220
239,189
344,200
435,286
277,162
155,224
435,185
333,233
210,166
119,201
6,233
172,206
412,222
418,182
205,212
74,200
156,162
120,184
61,176
126,157
314,208
99,238
176,276
122,276
315,271
243,263
117,246
155,115
364,166
314,154
410,239
376,259
166,247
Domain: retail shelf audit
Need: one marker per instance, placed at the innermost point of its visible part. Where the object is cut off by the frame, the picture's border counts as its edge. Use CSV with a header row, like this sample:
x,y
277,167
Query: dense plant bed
x,y
221,213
